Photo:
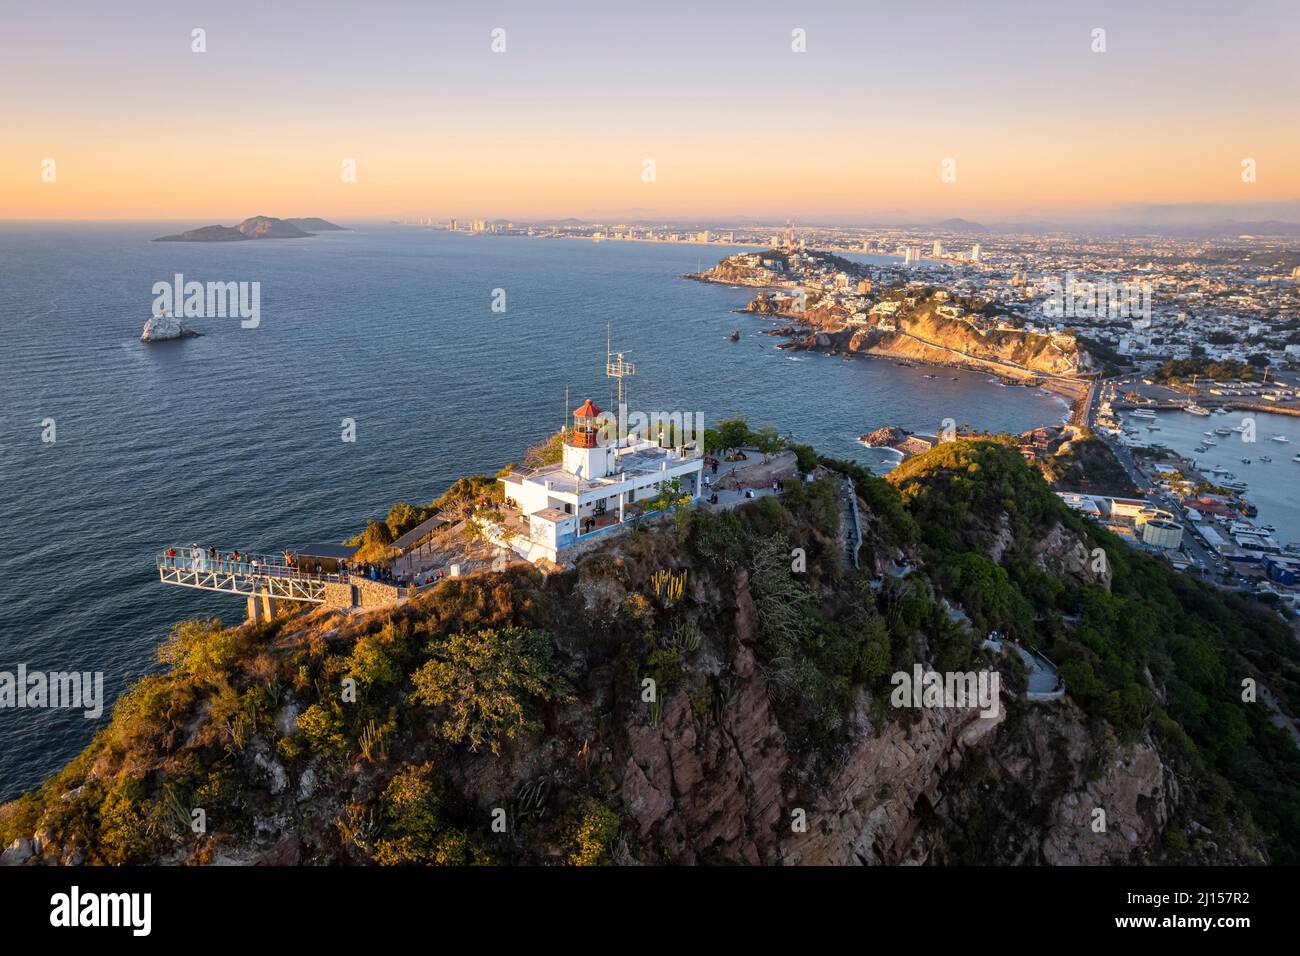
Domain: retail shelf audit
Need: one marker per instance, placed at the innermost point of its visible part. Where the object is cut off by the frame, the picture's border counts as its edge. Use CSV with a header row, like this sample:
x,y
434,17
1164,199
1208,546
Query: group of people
x,y
424,578
238,562
243,562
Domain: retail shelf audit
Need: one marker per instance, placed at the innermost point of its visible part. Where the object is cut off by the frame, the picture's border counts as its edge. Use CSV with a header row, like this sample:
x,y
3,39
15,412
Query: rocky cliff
x,y
924,336
717,690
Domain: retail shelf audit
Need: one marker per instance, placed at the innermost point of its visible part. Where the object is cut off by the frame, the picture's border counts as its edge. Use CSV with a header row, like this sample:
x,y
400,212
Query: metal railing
x,y
253,575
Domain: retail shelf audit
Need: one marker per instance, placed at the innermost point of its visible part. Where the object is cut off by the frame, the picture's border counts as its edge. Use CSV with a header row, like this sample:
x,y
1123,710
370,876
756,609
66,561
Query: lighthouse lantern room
x,y
585,456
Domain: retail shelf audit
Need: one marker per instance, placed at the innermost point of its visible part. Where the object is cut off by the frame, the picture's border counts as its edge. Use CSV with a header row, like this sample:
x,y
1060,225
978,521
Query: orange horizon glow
x,y
141,127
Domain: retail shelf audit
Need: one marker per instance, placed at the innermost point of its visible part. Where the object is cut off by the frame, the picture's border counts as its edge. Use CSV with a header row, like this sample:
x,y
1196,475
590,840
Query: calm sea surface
x,y
234,438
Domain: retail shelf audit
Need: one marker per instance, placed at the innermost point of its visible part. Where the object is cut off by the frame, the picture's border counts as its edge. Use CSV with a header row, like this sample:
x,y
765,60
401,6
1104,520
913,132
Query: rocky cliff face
x,y
720,765
946,342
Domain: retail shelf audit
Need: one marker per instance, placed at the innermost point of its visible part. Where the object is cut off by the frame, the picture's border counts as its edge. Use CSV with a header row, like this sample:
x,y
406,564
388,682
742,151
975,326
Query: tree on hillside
x,y
734,433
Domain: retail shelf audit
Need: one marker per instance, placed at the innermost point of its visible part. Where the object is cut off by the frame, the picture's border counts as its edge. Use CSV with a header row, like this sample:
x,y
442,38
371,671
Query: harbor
x,y
1226,478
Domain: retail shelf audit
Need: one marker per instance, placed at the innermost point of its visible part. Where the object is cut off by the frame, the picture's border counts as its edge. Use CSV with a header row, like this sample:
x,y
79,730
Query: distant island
x,y
256,227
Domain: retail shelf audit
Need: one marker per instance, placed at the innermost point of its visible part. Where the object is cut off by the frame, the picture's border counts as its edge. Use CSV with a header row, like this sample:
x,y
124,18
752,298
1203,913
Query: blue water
x,y
234,438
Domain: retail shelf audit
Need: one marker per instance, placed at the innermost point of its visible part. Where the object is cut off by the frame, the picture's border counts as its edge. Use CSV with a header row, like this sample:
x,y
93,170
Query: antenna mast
x,y
616,368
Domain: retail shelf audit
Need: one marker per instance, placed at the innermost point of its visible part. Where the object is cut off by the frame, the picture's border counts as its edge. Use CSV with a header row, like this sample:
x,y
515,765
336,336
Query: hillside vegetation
x,y
678,694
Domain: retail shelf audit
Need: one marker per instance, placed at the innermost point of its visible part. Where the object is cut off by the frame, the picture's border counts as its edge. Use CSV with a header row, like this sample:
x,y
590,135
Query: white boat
x,y
1197,410
1282,439
1142,413
1223,432
1208,434
1239,428
1209,441
1297,457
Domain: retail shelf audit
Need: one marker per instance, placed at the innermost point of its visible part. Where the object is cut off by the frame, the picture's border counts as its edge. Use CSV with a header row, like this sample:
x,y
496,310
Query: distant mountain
x,y
255,227
962,225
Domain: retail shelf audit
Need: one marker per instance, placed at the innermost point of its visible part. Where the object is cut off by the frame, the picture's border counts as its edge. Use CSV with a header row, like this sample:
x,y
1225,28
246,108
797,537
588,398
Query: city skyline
x,y
888,115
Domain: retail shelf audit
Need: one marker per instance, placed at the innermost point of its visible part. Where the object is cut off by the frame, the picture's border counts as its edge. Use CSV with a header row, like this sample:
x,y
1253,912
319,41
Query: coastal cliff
x,y
922,335
688,694
831,306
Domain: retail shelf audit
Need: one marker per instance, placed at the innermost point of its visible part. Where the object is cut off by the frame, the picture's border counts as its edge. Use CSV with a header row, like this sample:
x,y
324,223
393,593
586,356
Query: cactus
x,y
684,637
529,802
373,742
669,587
656,711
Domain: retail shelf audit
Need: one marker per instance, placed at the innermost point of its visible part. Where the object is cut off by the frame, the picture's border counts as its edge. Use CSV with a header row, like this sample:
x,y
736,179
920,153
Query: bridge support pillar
x,y
269,605
254,610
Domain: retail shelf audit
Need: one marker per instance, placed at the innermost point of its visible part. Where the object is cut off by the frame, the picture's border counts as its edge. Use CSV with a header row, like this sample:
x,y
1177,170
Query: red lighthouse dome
x,y
584,425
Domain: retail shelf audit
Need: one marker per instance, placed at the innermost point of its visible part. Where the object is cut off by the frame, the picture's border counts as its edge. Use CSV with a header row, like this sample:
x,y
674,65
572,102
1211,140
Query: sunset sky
x,y
738,125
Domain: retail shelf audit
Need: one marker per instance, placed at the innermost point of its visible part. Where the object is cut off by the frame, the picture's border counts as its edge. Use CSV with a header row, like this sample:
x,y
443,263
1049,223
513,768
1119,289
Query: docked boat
x,y
1297,457
1195,409
1143,413
1280,439
1209,441
1245,461
1223,432
1265,459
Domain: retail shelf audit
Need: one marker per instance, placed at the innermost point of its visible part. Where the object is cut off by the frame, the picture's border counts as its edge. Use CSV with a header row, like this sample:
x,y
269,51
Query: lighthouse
x,y
586,456
602,482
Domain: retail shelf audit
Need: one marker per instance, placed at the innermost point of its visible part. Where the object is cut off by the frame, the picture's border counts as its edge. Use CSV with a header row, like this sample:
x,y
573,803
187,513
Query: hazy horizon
x,y
739,126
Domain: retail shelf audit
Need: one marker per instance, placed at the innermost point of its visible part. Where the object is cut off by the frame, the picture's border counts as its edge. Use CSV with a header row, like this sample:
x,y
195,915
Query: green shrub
x,y
486,684
591,833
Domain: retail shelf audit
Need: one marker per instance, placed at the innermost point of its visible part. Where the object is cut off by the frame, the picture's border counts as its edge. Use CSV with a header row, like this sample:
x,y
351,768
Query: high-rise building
x,y
975,253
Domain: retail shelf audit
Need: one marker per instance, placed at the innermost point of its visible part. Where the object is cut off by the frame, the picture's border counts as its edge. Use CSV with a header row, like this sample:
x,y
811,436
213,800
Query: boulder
x,y
165,327
18,853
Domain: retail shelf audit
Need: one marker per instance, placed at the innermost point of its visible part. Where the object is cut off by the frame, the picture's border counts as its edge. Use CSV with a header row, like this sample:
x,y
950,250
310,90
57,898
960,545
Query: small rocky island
x,y
164,327
256,227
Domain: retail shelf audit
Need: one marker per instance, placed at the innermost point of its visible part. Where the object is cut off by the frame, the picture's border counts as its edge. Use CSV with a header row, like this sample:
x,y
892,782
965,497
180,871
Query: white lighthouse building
x,y
597,486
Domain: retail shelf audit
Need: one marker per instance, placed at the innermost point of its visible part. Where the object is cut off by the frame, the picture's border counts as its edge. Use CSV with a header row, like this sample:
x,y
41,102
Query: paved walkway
x,y
850,522
1044,682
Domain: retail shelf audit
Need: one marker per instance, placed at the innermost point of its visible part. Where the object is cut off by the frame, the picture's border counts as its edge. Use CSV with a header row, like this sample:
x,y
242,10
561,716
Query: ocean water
x,y
235,438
